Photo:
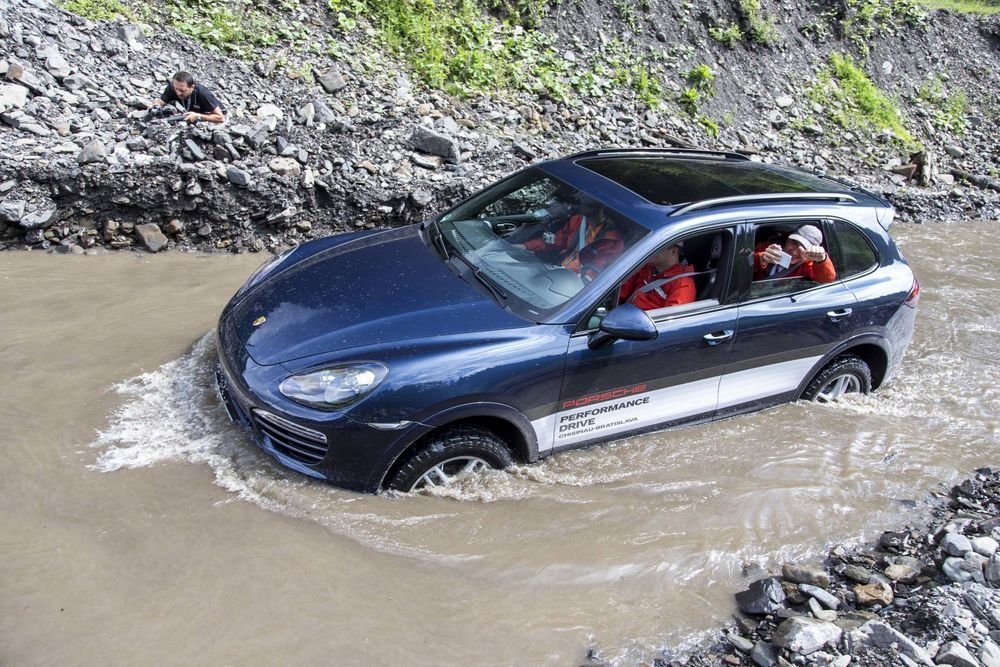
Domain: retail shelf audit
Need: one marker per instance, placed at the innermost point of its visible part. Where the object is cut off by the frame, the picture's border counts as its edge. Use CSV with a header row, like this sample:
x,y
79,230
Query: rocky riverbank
x,y
360,144
925,595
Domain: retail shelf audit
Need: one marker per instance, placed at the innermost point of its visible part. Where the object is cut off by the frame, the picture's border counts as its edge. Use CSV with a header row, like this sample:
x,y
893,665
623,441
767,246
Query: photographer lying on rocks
x,y
198,102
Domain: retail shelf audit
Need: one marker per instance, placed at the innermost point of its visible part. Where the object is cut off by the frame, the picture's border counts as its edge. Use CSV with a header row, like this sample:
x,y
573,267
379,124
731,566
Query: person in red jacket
x,y
587,244
661,282
808,258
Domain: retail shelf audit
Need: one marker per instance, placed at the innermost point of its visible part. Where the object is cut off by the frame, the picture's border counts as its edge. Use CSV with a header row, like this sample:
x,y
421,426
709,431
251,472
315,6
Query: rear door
x,y
785,327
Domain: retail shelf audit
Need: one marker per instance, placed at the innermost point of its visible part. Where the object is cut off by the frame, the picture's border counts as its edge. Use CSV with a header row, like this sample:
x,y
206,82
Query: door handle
x,y
717,337
837,315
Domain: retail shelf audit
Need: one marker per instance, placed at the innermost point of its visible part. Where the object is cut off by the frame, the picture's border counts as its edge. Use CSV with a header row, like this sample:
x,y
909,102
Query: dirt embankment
x,y
357,144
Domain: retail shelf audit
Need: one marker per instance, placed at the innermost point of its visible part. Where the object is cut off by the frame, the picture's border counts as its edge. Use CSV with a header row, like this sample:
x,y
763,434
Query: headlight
x,y
332,388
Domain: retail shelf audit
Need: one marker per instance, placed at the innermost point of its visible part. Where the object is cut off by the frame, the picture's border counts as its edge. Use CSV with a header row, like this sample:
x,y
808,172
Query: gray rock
x,y
965,569
784,101
984,546
828,600
954,653
12,96
992,571
902,572
421,198
285,166
11,211
857,573
95,151
39,219
955,151
956,544
764,654
151,237
880,635
805,574
238,176
194,150
57,65
989,654
523,150
322,112
741,643
332,80
762,597
427,140
806,635
270,111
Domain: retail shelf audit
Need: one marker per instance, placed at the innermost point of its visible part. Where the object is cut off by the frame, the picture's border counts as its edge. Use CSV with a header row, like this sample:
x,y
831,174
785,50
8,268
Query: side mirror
x,y
627,322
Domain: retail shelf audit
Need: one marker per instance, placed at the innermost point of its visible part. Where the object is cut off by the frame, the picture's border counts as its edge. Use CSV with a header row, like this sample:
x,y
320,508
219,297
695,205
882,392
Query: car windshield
x,y
534,241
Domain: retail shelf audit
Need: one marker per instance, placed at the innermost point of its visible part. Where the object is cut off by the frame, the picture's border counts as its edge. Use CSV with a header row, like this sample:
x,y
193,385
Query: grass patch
x,y
966,6
726,36
760,28
98,10
236,27
947,109
475,47
866,19
853,101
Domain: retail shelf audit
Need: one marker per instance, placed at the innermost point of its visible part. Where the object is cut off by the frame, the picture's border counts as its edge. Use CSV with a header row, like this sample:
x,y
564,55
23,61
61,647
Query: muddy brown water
x,y
138,527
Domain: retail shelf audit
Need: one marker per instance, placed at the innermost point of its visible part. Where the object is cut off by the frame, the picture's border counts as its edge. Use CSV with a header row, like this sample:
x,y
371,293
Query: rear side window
x,y
856,253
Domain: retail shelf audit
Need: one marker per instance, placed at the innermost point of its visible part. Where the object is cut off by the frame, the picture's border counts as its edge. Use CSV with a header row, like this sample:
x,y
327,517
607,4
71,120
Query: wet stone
x,y
151,237
762,597
805,574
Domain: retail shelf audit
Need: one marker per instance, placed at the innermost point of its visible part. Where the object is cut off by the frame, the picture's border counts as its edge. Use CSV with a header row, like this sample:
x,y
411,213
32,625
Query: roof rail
x,y
774,196
652,152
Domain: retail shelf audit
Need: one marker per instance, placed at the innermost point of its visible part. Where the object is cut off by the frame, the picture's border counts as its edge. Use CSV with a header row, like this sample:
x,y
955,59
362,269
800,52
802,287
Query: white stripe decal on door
x,y
602,420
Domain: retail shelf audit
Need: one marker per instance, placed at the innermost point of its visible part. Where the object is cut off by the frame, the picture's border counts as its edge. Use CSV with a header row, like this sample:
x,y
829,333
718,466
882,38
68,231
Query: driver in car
x,y
660,283
587,244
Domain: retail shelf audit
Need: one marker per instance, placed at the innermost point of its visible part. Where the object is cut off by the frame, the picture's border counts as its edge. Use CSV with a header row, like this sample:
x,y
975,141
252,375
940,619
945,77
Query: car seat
x,y
706,278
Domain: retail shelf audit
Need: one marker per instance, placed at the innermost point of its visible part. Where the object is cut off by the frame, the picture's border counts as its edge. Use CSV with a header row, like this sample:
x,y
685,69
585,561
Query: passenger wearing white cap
x,y
808,258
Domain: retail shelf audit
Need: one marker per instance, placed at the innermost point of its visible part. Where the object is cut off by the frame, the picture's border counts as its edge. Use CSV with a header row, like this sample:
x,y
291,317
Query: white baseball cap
x,y
807,236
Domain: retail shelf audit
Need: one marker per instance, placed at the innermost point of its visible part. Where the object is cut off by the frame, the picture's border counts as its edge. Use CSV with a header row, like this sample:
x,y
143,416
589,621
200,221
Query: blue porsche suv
x,y
579,300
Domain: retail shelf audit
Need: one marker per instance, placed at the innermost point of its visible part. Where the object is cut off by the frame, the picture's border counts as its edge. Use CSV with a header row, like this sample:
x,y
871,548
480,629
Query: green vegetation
x,y
866,19
760,29
727,36
97,10
948,109
472,47
966,6
699,80
853,101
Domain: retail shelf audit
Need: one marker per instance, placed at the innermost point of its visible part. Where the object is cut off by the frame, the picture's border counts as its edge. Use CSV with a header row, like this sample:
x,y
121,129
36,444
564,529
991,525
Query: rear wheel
x,y
449,456
844,375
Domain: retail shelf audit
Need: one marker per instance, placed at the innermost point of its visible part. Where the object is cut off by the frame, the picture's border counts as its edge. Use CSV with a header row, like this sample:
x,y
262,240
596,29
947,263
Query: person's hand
x,y
772,254
814,253
192,117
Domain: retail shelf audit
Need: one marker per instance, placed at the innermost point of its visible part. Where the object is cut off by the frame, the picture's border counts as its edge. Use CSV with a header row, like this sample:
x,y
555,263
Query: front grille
x,y
288,438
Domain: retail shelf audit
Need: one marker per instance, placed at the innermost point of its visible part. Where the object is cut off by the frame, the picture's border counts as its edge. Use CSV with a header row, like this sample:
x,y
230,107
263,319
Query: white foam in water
x,y
162,418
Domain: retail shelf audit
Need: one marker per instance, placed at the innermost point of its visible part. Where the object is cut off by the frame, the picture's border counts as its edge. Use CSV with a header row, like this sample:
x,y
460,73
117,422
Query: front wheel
x,y
844,375
449,456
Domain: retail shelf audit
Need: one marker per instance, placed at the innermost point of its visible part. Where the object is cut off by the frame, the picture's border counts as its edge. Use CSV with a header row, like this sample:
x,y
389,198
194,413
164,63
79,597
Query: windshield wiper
x,y
437,238
497,293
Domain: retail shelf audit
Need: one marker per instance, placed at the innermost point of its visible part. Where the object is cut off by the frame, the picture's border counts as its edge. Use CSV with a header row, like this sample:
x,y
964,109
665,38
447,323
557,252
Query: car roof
x,y
656,187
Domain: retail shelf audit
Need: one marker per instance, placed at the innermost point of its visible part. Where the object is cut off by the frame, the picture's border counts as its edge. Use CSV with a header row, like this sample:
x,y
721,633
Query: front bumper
x,y
327,446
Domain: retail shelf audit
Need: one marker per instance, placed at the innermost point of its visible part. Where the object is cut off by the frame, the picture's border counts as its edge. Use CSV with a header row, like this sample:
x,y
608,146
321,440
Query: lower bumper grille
x,y
288,438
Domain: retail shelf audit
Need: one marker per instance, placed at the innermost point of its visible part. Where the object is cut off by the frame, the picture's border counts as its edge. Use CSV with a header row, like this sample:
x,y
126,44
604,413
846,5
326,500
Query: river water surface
x,y
138,527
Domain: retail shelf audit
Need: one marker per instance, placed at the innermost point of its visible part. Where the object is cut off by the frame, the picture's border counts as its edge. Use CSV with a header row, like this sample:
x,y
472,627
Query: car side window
x,y
856,253
790,257
680,276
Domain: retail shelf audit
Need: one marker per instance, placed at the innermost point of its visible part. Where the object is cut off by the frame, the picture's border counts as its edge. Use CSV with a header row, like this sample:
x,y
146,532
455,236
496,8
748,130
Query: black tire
x,y
449,454
844,375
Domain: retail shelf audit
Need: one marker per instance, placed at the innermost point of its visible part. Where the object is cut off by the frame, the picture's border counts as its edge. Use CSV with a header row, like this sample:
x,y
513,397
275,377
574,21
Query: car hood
x,y
378,289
